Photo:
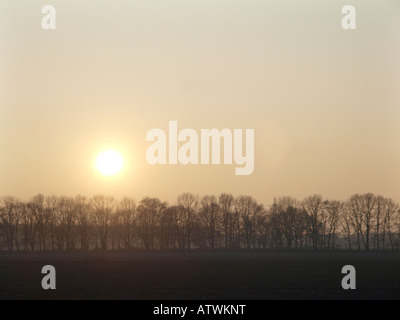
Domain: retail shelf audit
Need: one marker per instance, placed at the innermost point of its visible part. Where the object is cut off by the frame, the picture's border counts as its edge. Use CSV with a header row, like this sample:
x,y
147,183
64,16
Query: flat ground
x,y
200,275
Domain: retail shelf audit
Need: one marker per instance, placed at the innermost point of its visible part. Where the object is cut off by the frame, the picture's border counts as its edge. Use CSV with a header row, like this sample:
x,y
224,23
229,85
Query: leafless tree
x,y
314,206
83,221
347,224
170,233
365,222
392,223
188,204
211,219
248,208
363,213
379,220
150,211
226,202
41,215
301,227
260,221
102,208
29,227
334,211
69,209
11,211
56,232
126,213
284,216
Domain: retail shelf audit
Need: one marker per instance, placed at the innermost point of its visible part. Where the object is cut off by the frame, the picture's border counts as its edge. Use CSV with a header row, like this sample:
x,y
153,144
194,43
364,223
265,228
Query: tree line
x,y
61,223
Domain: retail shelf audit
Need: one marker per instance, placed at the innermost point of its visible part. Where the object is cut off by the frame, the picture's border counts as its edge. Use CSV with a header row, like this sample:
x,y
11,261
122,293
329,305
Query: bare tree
x,y
10,215
126,212
69,210
211,219
363,212
397,225
260,221
392,223
284,214
169,228
83,221
188,204
41,218
56,232
347,224
29,227
302,226
102,213
226,206
366,222
150,211
248,208
314,206
236,228
334,210
379,216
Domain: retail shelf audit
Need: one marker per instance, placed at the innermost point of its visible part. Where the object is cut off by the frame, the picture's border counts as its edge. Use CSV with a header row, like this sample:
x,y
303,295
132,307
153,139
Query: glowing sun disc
x,y
109,162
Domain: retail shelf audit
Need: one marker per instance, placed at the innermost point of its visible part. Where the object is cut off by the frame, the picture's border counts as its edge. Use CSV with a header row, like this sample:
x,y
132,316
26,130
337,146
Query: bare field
x,y
200,275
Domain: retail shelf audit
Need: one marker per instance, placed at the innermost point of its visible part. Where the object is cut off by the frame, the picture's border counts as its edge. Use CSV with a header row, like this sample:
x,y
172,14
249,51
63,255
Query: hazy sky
x,y
324,102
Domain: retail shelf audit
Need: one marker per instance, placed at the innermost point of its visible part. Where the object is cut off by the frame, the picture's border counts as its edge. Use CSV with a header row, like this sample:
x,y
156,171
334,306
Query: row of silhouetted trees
x,y
363,222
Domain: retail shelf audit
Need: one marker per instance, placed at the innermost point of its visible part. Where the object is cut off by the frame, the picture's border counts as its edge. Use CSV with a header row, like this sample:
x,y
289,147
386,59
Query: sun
x,y
109,162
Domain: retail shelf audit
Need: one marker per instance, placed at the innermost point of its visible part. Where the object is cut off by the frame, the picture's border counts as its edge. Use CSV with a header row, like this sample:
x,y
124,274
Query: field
x,y
200,275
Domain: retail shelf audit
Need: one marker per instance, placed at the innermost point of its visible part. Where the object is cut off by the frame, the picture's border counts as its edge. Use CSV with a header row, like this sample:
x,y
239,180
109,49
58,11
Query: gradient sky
x,y
324,102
